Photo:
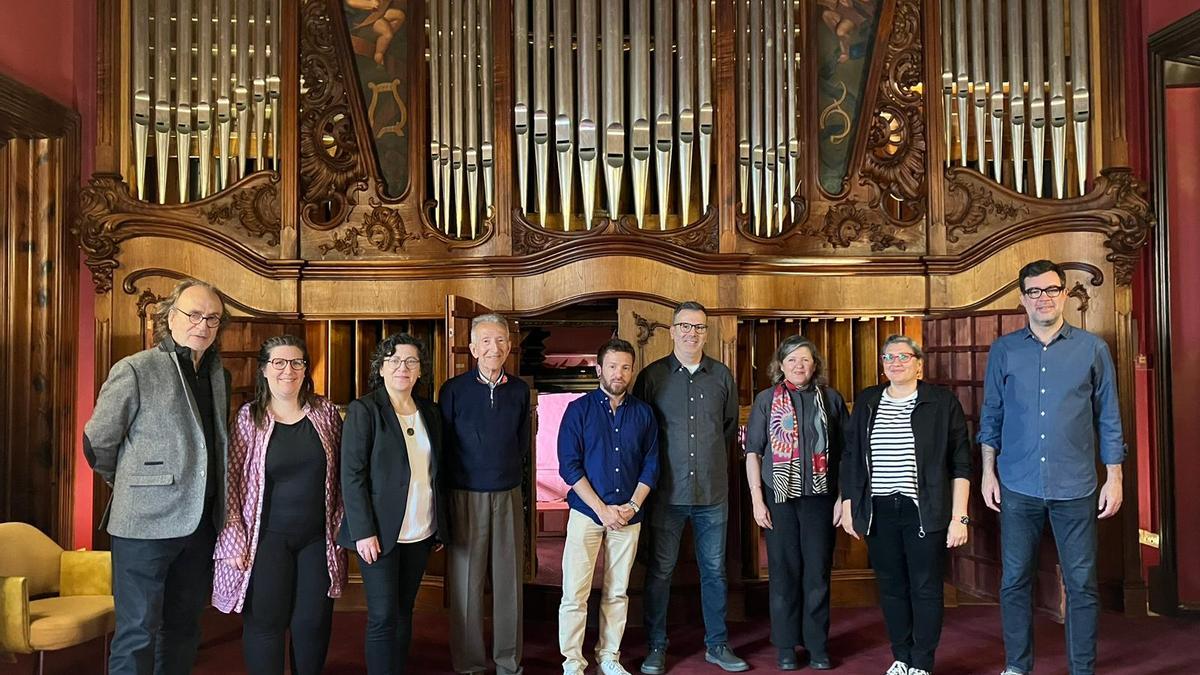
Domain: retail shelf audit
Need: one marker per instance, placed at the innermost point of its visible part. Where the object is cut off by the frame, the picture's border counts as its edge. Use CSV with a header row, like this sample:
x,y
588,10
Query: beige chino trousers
x,y
584,538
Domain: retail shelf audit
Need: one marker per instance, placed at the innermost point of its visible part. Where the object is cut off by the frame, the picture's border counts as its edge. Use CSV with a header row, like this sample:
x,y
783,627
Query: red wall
x,y
50,46
1183,196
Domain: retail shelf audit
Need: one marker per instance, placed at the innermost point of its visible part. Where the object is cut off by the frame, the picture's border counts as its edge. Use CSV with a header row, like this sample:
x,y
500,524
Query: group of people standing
x,y
269,508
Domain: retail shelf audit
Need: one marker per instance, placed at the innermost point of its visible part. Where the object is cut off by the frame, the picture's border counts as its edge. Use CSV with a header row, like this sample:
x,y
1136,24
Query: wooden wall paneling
x,y
766,340
818,332
840,355
744,373
865,334
367,335
316,334
39,151
340,360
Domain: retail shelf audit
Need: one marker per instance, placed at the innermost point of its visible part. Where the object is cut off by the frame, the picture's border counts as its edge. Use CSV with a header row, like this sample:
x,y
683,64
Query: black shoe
x,y
724,658
820,663
787,659
656,661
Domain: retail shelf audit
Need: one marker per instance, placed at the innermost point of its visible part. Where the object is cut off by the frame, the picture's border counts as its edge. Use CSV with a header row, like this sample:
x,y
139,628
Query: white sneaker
x,y
917,671
1011,671
611,667
898,668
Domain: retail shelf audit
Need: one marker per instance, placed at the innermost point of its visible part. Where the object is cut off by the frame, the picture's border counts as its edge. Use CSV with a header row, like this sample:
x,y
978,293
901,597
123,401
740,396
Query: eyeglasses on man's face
x,y
296,364
902,357
1049,291
685,327
395,362
212,321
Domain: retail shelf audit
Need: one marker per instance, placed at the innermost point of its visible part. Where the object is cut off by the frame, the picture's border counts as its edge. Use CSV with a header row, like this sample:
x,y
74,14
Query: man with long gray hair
x,y
158,438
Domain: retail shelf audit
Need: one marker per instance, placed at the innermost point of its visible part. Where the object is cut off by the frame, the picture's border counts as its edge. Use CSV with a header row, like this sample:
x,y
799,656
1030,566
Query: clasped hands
x,y
615,517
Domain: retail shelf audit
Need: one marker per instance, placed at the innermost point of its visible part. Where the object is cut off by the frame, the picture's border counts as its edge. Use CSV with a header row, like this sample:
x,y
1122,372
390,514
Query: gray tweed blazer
x,y
146,441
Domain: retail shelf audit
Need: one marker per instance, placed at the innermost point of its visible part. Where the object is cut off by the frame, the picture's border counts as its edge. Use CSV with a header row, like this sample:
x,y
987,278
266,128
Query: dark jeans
x,y
391,584
289,587
799,559
909,570
665,524
1073,522
160,587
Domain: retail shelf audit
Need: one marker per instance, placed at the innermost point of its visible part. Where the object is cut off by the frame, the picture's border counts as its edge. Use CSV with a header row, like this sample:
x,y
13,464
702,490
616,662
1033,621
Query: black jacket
x,y
943,454
375,471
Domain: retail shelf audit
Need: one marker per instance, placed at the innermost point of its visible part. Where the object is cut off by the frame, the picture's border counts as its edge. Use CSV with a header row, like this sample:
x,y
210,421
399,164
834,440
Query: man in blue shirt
x,y
486,418
1050,394
608,454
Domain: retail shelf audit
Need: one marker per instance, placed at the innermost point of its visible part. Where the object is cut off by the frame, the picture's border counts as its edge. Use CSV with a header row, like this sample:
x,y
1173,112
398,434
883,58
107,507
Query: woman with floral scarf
x,y
793,449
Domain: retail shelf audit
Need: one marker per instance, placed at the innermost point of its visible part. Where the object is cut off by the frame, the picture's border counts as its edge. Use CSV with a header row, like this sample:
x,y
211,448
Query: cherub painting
x,y
382,38
843,17
380,17
846,38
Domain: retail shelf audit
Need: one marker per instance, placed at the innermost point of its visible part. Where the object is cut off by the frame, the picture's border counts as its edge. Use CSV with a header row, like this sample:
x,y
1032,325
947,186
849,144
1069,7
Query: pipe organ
x,y
1005,67
653,111
345,167
769,103
201,66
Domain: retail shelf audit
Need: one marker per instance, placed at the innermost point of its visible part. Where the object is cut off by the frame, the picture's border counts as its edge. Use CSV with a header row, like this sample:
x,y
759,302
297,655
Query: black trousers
x,y
909,570
391,586
799,559
160,587
289,588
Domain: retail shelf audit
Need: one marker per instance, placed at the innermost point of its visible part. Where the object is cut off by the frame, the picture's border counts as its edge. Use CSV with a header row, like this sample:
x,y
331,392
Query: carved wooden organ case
x,y
811,159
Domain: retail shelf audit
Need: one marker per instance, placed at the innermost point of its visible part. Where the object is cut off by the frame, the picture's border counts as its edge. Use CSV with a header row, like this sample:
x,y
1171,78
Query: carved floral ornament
x,y
109,214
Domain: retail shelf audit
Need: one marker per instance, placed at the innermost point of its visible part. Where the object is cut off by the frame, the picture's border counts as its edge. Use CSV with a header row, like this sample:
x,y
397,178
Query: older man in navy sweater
x,y
486,414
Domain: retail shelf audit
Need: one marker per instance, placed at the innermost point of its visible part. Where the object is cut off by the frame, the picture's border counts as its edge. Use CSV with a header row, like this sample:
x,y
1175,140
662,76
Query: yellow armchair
x,y
51,599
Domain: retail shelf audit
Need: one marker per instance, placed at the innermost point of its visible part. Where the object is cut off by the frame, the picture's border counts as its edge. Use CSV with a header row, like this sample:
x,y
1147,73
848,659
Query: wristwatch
x,y
634,505
964,519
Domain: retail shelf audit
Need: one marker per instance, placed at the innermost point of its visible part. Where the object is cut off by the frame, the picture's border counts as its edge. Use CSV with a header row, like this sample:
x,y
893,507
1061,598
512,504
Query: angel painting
x,y
843,17
380,18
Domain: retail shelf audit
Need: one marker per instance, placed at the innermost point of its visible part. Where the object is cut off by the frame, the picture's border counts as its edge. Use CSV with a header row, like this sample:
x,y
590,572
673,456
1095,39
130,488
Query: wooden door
x,y
459,313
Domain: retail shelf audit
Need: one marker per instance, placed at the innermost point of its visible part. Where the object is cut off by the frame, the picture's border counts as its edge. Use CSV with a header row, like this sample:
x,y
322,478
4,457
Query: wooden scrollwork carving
x,y
331,164
95,232
383,227
1131,220
894,163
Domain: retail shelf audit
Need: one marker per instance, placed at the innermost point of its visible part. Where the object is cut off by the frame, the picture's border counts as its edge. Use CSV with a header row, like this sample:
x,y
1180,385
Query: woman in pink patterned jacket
x,y
276,559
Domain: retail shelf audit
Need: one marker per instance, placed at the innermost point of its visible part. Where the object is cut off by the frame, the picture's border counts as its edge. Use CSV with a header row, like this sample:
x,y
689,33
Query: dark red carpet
x,y
970,645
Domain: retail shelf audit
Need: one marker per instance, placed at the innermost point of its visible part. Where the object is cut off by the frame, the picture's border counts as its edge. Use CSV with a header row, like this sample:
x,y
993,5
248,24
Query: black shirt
x,y
199,382
697,421
294,494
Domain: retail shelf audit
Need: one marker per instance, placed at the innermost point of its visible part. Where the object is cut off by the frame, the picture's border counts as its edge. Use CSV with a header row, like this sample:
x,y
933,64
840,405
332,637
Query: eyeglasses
x,y
903,357
1049,291
395,362
197,317
296,364
685,327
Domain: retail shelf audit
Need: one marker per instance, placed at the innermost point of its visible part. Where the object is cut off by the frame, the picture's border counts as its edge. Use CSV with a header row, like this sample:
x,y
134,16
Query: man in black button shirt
x,y
696,404
158,437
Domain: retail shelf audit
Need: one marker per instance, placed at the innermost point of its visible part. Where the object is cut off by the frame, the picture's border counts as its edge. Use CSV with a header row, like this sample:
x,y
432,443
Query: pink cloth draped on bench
x,y
550,487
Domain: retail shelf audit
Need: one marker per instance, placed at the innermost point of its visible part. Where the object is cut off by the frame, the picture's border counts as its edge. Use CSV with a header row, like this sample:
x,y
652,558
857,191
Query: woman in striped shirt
x,y
905,484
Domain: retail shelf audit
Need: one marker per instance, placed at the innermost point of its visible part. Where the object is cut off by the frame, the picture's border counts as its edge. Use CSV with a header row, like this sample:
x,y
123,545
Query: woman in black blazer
x,y
395,515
